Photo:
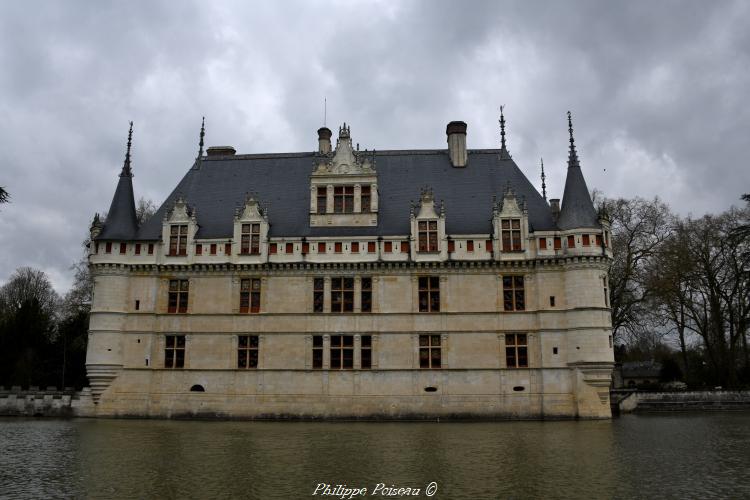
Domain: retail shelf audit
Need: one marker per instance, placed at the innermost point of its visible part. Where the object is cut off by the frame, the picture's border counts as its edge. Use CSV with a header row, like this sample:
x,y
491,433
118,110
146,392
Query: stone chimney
x,y
324,140
221,151
554,205
456,132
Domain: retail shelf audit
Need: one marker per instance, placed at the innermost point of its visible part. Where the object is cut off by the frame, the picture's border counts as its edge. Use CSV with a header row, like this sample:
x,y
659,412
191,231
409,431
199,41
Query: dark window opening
x,y
247,351
429,351
429,293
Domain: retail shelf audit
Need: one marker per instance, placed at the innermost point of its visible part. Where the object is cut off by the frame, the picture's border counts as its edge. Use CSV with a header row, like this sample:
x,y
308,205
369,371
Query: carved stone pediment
x,y
180,212
510,205
345,160
426,208
250,211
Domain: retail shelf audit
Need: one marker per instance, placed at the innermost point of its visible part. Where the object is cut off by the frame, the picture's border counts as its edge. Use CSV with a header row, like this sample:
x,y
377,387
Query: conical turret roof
x,y
122,223
577,208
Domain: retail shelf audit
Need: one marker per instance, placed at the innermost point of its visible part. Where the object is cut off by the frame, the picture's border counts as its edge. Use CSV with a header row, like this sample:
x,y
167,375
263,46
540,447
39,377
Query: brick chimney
x,y
456,132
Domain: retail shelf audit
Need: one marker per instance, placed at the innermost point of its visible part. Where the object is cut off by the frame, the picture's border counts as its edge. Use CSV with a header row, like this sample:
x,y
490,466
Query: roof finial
x,y
572,154
126,171
203,133
544,186
502,127
325,110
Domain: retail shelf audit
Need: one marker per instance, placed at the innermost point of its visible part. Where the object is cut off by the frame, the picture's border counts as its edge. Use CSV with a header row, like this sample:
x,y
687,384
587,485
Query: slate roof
x,y
577,210
218,185
121,223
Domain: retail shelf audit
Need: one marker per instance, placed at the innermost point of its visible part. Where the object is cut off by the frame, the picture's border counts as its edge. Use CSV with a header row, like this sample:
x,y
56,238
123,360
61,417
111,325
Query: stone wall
x,y
49,402
642,402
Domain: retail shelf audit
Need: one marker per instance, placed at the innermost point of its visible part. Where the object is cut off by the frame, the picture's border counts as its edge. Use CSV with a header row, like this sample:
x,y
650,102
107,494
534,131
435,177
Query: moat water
x,y
674,456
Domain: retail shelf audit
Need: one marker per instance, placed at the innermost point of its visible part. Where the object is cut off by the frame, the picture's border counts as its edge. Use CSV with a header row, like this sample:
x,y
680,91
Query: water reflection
x,y
632,457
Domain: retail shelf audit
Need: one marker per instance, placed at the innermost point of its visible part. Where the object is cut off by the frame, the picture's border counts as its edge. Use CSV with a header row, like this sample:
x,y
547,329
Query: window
x,y
598,240
213,248
429,294
343,199
250,295
342,294
451,246
227,249
178,240
571,241
606,292
273,248
428,236
305,248
250,239
123,248
404,247
151,249
321,247
429,351
137,248
586,240
366,296
513,296
290,248
108,247
178,296
371,247
606,238
558,243
388,247
318,293
542,243
199,249
337,247
96,247
510,230
322,200
365,198
174,351
137,305
488,245
317,352
355,247
552,301
516,351
247,351
366,352
470,245
342,352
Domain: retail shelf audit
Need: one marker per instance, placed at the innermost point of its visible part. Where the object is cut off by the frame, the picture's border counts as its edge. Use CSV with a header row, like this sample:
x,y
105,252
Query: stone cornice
x,y
520,265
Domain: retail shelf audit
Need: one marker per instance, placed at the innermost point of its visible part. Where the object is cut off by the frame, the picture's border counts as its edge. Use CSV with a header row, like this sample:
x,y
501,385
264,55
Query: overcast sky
x,y
659,93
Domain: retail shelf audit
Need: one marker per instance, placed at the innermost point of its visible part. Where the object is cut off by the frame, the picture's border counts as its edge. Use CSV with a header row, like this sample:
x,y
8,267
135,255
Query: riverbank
x,y
652,402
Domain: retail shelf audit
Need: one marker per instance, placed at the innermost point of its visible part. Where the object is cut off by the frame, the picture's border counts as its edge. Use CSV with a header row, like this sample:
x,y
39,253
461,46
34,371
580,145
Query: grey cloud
x,y
657,89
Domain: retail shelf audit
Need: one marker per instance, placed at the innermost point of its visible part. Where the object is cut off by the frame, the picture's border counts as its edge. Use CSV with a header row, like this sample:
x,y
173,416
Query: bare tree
x,y
4,196
144,210
639,228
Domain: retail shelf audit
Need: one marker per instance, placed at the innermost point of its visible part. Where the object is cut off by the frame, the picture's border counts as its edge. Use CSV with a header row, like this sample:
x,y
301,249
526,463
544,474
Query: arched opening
x,y
197,388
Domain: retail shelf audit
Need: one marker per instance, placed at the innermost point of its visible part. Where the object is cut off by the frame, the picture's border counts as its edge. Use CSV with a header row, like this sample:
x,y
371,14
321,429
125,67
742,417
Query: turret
x,y
122,223
577,210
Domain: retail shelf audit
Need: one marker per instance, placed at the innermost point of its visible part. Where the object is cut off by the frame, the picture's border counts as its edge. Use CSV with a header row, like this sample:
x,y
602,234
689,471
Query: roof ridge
x,y
379,152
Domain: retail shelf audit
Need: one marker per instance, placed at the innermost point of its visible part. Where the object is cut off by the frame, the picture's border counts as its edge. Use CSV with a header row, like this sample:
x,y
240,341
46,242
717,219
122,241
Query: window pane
x,y
348,341
366,358
317,341
435,358
179,358
335,359
433,225
254,341
366,340
243,339
435,302
335,340
242,359
181,341
434,282
424,358
424,340
516,224
253,361
169,358
170,340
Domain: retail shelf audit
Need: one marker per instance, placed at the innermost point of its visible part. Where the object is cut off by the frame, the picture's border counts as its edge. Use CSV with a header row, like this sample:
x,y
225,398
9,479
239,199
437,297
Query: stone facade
x,y
430,322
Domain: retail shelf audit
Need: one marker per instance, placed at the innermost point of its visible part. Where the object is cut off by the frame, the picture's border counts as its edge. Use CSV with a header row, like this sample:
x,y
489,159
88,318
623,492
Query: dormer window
x,y
250,239
511,235
343,199
344,185
178,239
428,236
